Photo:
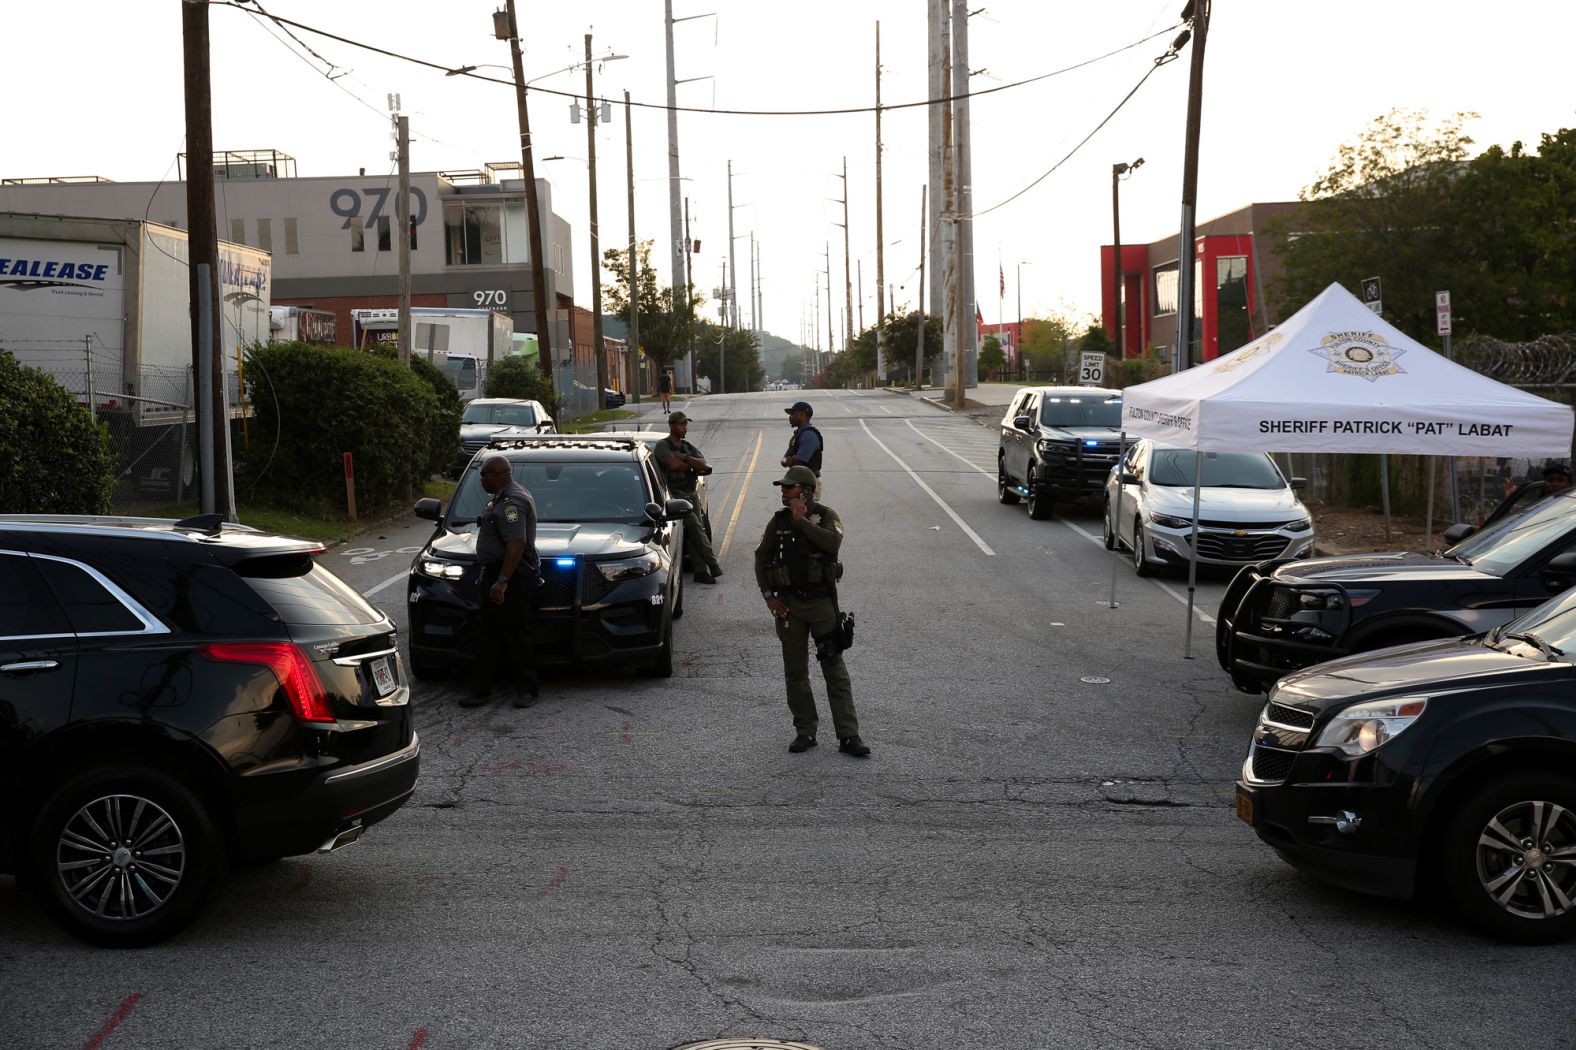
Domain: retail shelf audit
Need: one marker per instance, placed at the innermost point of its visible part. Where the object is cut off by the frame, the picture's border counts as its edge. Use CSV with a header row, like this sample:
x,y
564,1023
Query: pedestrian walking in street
x,y
797,569
665,388
805,447
683,464
506,553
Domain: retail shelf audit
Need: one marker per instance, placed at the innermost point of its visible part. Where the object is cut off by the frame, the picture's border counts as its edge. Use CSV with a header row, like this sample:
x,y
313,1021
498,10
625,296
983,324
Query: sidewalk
x,y
986,399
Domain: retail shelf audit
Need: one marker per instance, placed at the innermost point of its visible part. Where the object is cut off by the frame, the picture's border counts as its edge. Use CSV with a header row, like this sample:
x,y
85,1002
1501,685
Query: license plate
x,y
1244,806
383,677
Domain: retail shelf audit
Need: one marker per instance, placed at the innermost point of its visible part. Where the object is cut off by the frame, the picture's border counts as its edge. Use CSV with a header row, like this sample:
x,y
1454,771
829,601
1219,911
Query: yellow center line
x,y
738,501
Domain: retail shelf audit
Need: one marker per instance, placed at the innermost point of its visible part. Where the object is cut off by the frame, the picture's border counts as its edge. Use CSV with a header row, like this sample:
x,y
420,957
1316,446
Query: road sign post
x,y
1091,368
1372,295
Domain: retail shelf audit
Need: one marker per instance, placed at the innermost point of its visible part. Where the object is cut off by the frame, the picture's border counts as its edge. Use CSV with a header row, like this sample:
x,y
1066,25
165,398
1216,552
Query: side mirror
x,y
1022,422
1298,484
1560,571
677,508
654,511
429,508
1128,478
1458,532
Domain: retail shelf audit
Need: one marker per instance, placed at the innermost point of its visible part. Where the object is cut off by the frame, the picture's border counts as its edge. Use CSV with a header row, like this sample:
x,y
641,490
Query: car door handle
x,y
29,666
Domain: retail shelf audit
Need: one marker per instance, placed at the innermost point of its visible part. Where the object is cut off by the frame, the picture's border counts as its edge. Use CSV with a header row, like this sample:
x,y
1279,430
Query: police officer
x,y
683,463
796,568
804,448
506,551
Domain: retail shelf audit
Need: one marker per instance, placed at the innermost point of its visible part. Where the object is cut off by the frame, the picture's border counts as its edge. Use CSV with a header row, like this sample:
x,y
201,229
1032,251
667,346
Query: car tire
x,y
662,666
678,598
1004,492
1040,505
425,669
1108,532
1500,885
150,808
1141,565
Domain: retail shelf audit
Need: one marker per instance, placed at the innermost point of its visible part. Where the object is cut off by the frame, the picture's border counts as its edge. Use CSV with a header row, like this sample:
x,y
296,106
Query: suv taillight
x,y
303,688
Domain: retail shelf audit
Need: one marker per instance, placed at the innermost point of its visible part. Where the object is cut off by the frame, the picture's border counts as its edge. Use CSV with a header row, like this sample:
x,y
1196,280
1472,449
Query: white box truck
x,y
458,341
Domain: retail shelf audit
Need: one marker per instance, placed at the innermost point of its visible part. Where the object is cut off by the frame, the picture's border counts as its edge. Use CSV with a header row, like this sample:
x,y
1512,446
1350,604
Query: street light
x,y
1117,171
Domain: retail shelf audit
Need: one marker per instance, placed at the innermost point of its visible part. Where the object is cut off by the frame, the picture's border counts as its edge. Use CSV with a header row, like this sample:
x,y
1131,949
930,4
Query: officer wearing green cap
x,y
796,568
683,463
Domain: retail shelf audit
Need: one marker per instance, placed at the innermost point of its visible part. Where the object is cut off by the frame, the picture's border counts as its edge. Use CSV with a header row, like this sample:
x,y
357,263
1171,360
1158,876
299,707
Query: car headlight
x,y
1363,727
1334,599
440,570
1170,521
629,568
1300,525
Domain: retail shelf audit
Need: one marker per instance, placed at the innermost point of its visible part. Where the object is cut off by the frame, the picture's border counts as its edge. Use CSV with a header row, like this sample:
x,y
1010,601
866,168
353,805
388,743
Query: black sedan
x,y
1446,763
1277,617
177,694
610,554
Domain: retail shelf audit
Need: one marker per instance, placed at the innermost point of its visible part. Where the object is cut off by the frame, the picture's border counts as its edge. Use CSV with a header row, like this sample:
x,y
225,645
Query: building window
x,y
412,220
358,234
1231,303
1196,344
238,231
292,239
384,240
265,234
1165,289
473,233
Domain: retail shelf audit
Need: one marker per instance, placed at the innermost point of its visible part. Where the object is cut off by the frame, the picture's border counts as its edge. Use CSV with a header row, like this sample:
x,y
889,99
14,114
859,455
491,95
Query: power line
x,y
844,111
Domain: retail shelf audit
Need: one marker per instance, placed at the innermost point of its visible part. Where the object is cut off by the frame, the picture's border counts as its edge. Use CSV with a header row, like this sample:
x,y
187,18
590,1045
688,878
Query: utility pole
x,y
509,29
848,278
964,179
596,253
637,379
760,300
689,296
722,358
881,370
680,262
829,336
919,342
402,214
938,51
859,270
733,266
754,317
213,414
1183,355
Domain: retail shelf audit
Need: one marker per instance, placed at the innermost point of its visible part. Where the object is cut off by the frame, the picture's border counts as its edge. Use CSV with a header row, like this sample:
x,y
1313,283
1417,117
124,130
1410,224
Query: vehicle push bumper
x,y
1265,632
1077,471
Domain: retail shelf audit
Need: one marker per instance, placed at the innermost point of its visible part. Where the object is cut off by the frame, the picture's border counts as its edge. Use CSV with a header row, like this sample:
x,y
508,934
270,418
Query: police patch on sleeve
x,y
511,514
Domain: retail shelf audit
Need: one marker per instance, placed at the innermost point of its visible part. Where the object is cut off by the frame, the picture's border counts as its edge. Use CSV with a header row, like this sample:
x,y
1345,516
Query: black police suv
x,y
1277,617
1446,763
610,547
175,694
1057,443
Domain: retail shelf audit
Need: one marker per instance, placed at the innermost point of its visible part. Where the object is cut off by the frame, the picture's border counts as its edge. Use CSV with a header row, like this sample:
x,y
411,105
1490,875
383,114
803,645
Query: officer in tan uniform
x,y
506,552
682,463
796,568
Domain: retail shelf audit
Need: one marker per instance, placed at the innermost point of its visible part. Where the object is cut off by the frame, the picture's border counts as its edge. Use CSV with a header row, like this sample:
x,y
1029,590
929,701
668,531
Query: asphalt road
x,y
1041,852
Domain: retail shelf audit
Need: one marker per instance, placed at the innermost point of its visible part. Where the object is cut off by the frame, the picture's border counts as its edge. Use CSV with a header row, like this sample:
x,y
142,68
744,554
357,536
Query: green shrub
x,y
519,378
443,431
55,457
312,404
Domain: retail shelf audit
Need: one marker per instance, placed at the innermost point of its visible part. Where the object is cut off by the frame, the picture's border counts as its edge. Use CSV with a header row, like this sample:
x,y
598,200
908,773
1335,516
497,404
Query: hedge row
x,y
55,457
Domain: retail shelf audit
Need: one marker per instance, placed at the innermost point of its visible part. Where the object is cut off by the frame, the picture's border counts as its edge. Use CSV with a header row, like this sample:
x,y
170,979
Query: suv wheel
x,y
124,856
1039,502
678,599
1004,492
1140,563
424,669
1510,858
1107,530
662,666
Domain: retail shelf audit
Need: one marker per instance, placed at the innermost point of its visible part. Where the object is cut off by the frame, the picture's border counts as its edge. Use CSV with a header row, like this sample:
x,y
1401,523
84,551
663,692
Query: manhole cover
x,y
748,1044
1094,679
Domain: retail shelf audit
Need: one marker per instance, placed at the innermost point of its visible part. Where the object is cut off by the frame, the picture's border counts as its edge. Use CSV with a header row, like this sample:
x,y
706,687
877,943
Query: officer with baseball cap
x,y
806,446
683,464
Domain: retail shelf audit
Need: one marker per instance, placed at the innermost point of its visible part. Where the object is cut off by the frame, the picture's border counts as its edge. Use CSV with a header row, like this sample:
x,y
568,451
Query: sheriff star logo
x,y
1365,355
511,515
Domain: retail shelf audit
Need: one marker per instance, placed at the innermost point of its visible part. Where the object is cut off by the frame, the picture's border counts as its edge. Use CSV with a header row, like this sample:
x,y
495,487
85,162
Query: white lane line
x,y
386,584
947,450
885,409
1200,613
981,544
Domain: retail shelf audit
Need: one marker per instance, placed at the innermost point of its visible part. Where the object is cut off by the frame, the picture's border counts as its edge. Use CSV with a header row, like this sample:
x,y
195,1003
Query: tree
x,y
991,360
857,364
667,317
55,457
519,378
729,358
1095,339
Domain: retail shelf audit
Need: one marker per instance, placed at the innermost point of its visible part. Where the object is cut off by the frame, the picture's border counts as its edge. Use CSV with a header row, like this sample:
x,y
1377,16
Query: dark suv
x,y
173,694
1058,443
610,554
1279,616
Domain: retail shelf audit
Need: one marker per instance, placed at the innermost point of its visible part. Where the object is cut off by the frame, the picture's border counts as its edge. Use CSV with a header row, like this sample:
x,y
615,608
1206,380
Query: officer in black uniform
x,y
796,568
806,446
506,551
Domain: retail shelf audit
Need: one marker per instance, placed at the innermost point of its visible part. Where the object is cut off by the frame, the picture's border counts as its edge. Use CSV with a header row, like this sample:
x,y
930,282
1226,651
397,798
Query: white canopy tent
x,y
1335,377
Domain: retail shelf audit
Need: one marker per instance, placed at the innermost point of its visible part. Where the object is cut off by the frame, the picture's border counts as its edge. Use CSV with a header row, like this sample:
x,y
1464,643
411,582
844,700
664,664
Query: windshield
x,y
510,415
461,371
1237,470
564,492
1554,621
1076,411
1507,543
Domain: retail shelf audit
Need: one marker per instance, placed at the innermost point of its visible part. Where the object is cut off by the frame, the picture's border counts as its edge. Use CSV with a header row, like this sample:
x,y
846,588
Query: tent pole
x,y
1192,561
1116,516
1384,493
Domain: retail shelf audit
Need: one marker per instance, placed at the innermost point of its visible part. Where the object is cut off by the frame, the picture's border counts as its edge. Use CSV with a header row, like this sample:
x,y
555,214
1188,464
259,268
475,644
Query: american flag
x,y
1002,275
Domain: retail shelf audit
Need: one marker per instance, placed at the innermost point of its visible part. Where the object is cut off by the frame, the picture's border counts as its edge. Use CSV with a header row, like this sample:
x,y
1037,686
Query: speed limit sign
x,y
1091,368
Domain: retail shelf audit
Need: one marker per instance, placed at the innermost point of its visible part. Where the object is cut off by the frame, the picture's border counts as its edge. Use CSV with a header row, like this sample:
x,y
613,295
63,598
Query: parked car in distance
x,y
1248,511
1278,617
1057,443
489,417
177,694
1450,763
610,546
